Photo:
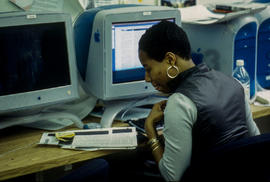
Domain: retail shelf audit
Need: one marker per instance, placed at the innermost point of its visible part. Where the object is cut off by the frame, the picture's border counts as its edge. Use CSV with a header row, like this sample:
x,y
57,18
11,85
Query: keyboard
x,y
106,137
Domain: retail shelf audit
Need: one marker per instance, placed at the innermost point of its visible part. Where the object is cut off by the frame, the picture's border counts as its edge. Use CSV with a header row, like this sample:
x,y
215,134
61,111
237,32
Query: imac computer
x,y
106,43
37,62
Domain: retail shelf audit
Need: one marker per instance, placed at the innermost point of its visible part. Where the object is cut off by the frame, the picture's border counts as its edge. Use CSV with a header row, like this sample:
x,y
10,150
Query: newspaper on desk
x,y
93,139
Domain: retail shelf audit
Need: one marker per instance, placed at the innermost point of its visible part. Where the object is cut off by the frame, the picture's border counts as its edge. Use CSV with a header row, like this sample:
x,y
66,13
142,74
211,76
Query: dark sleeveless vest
x,y
220,102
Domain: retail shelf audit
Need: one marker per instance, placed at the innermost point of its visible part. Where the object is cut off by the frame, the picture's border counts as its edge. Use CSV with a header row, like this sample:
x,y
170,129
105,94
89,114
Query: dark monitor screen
x,y
33,57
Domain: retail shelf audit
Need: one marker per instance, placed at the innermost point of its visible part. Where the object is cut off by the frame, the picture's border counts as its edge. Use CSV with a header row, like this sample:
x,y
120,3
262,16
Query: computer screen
x,y
110,66
125,38
37,61
106,43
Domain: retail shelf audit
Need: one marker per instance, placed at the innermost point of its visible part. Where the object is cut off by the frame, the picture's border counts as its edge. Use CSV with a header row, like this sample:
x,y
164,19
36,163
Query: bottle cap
x,y
239,62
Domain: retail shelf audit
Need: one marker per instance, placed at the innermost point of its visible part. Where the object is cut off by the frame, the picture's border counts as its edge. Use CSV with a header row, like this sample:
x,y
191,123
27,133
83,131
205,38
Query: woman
x,y
205,108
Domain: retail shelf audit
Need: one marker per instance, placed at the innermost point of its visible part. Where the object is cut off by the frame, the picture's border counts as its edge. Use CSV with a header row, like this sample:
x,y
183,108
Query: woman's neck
x,y
184,65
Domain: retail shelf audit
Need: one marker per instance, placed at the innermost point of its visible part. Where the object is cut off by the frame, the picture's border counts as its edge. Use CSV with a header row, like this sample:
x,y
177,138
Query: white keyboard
x,y
110,137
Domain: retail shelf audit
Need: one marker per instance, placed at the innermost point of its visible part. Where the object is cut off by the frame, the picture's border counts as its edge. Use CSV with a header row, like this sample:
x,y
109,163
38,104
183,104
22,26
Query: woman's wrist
x,y
153,143
151,132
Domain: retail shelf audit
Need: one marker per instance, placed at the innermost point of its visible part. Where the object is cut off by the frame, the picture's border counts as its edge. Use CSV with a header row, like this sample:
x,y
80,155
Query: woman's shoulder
x,y
180,107
178,100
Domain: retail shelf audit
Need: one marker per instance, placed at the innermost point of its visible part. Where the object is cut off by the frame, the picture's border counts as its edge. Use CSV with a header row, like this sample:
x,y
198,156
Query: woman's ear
x,y
170,58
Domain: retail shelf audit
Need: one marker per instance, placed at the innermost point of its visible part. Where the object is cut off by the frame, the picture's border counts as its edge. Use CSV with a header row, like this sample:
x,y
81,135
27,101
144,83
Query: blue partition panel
x,y
245,48
263,55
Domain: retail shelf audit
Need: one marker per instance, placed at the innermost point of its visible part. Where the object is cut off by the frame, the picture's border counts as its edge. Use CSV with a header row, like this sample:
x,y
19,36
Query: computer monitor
x,y
106,41
37,62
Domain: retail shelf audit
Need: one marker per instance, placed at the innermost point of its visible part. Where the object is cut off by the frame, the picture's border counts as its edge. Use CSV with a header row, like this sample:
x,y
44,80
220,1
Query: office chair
x,y
246,160
95,170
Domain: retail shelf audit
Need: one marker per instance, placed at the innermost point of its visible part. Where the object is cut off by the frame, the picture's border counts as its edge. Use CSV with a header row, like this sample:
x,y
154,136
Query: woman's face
x,y
155,72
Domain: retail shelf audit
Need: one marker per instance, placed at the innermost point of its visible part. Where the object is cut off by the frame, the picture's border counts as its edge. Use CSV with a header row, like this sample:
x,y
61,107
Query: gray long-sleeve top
x,y
179,117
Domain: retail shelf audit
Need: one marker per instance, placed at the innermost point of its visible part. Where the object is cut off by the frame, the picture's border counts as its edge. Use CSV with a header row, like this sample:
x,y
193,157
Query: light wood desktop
x,y
21,155
259,111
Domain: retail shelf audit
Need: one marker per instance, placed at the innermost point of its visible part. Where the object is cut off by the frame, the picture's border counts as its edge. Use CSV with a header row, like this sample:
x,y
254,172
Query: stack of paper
x,y
199,14
93,139
203,14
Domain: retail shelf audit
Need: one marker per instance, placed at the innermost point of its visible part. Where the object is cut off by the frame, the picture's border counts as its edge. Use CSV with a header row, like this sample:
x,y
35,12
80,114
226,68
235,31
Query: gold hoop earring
x,y
170,67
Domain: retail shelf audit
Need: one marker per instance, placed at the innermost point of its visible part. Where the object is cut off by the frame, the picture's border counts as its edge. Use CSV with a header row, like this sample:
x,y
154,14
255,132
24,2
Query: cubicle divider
x,y
263,49
246,37
219,45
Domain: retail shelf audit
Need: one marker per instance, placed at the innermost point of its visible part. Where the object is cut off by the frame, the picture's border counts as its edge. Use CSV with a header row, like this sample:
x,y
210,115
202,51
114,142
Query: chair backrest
x,y
244,160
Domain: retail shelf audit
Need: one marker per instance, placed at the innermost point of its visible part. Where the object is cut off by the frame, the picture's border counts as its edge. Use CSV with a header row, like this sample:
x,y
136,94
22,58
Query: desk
x,y
259,111
20,154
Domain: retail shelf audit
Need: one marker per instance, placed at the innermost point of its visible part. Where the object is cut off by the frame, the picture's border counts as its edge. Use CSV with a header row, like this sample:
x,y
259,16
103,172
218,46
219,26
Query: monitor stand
x,y
112,108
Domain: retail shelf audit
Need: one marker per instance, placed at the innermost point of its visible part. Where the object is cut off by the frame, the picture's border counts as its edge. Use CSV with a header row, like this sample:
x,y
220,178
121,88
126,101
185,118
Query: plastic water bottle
x,y
241,74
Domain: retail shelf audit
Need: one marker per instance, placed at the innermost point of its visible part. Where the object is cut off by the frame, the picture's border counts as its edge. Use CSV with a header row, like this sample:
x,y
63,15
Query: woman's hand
x,y
156,114
157,111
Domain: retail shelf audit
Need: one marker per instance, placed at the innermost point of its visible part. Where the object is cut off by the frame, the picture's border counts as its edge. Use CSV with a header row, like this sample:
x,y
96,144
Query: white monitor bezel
x,y
40,98
106,89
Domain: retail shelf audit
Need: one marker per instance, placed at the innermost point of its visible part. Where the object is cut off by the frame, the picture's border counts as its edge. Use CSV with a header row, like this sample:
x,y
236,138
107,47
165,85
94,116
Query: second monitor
x,y
106,41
